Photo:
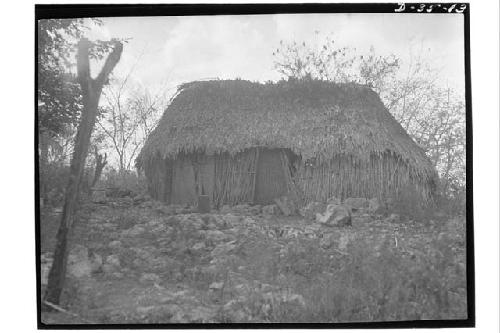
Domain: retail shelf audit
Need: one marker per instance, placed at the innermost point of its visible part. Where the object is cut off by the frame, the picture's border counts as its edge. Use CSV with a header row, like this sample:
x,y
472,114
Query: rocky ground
x,y
144,262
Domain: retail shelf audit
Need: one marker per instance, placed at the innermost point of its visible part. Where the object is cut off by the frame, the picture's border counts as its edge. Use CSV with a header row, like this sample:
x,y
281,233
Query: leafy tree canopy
x,y
59,96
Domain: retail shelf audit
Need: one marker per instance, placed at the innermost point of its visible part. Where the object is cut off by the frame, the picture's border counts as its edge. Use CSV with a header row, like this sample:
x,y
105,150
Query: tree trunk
x,y
100,163
43,165
91,91
122,163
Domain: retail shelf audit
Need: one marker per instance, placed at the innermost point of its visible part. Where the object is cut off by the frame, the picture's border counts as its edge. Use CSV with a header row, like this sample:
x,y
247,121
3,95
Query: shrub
x,y
408,204
53,181
382,283
452,204
125,182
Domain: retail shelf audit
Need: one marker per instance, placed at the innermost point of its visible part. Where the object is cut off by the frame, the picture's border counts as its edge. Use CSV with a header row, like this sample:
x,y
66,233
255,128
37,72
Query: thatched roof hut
x,y
319,138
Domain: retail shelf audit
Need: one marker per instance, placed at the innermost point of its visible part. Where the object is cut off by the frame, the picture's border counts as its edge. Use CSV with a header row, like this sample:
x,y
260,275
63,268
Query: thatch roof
x,y
315,119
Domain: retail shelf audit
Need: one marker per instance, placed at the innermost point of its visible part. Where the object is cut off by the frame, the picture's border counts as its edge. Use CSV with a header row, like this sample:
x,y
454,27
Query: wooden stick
x,y
58,308
257,155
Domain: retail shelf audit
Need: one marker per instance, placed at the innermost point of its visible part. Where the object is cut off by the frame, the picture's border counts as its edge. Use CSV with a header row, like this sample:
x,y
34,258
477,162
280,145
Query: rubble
x,y
335,216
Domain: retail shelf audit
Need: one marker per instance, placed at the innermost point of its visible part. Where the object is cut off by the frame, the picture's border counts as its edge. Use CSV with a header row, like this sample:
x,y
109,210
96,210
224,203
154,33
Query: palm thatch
x,y
317,120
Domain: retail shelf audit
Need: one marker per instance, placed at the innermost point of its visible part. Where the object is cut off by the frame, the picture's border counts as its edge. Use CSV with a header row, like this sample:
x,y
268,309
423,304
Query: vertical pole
x,y
255,174
91,91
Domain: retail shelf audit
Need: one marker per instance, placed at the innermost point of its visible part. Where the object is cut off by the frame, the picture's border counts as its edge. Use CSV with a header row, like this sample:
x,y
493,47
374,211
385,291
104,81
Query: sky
x,y
167,51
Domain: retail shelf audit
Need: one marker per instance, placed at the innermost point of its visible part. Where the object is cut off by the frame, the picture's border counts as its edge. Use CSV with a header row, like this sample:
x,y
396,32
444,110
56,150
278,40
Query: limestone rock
x,y
215,236
192,222
333,200
310,210
241,209
332,238
113,260
362,219
98,195
109,269
134,231
393,218
335,216
199,246
166,210
255,210
150,278
229,220
223,249
140,198
344,242
356,203
116,244
226,209
390,203
328,241
79,264
270,210
293,299
216,286
374,206
95,262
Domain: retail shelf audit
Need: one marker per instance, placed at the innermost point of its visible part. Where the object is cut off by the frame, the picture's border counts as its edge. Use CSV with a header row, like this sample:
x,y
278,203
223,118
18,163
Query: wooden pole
x,y
254,188
100,163
91,91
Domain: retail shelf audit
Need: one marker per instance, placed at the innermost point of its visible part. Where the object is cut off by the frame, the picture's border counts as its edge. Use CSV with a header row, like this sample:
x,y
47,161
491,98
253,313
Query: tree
x,y
100,163
328,62
91,90
127,118
58,91
433,115
59,94
334,63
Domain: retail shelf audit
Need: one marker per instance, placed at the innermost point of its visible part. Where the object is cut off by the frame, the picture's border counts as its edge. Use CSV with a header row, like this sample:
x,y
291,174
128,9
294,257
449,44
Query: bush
x,y
54,179
445,203
383,284
409,204
123,183
452,204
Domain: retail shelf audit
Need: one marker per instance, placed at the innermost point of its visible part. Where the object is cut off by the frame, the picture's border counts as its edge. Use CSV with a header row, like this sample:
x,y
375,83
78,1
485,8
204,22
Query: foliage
x,y
409,207
384,286
299,61
435,118
58,91
59,96
125,181
330,62
54,176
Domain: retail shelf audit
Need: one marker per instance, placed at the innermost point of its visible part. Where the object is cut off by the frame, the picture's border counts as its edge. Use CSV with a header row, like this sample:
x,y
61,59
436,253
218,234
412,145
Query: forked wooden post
x,y
91,92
